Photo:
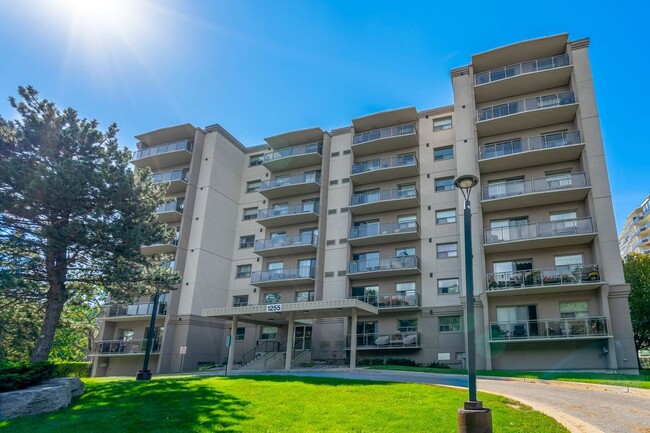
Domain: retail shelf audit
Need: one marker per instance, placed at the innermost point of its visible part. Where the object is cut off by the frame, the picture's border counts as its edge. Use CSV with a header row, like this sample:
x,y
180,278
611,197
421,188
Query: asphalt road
x,y
579,407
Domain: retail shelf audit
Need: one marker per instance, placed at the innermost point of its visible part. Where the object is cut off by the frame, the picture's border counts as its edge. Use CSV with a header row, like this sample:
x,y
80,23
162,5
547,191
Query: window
x,y
311,205
403,252
406,292
574,309
268,333
246,241
446,216
307,296
241,334
444,183
448,286
125,334
563,215
443,153
272,298
442,124
404,191
406,222
449,324
506,187
243,271
508,229
240,301
253,185
444,251
256,160
568,260
559,179
407,325
250,213
367,294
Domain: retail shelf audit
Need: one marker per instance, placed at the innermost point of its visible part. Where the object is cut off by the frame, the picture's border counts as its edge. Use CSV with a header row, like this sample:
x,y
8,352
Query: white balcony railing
x,y
510,71
528,104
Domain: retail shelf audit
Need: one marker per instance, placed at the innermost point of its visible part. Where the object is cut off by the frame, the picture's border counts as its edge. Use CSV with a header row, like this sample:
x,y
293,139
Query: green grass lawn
x,y
629,380
272,404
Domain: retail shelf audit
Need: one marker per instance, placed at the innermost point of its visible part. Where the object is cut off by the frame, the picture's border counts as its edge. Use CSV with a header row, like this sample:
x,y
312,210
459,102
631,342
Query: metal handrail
x,y
290,180
123,346
260,349
294,209
391,300
376,229
510,71
545,229
385,264
302,149
391,131
528,104
383,194
168,176
592,326
382,340
283,274
516,187
556,276
527,144
409,160
140,309
287,241
164,148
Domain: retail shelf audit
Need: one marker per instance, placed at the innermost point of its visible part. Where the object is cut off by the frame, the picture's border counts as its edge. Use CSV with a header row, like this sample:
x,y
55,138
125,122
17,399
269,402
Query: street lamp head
x,y
465,183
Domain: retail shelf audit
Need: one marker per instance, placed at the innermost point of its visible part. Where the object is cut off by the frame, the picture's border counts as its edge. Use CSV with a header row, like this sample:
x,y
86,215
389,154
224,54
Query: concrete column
x,y
290,331
231,349
353,339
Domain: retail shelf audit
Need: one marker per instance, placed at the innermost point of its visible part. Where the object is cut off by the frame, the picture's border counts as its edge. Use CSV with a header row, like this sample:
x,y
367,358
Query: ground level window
x,y
241,334
269,333
449,324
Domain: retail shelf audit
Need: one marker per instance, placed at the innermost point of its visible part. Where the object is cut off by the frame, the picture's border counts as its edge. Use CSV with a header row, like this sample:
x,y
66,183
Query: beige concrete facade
x,y
345,244
634,237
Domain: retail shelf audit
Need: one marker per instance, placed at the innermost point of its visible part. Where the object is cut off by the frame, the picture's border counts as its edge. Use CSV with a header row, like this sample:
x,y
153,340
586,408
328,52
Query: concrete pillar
x,y
290,332
353,339
231,349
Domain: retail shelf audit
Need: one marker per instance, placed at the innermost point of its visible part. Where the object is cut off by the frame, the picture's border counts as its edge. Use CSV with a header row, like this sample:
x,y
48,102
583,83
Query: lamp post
x,y
145,373
472,418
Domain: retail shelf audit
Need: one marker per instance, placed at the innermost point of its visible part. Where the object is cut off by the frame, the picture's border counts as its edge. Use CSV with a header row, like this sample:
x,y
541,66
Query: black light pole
x,y
472,417
145,374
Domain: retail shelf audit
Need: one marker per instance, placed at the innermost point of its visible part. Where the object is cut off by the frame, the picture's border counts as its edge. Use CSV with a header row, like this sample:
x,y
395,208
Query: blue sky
x,y
260,68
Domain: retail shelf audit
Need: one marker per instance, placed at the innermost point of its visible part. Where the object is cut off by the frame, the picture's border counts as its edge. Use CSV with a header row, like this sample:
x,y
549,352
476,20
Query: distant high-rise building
x,y
635,236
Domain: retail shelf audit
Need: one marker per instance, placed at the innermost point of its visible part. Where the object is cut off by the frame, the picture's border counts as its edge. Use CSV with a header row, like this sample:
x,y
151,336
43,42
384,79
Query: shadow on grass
x,y
311,380
162,405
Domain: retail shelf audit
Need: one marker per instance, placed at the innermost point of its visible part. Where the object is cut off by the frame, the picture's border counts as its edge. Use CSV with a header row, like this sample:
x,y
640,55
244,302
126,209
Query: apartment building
x,y
345,244
635,236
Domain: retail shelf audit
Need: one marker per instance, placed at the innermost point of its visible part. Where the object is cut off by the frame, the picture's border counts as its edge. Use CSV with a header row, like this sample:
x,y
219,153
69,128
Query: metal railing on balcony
x,y
528,104
391,300
545,229
302,149
170,176
383,195
175,206
516,187
290,180
383,163
378,229
386,341
123,347
141,309
557,276
543,329
307,272
391,131
293,209
287,241
509,71
519,145
385,264
161,242
164,148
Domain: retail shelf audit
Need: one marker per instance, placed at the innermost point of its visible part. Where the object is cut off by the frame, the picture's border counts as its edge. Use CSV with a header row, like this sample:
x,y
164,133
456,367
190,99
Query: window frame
x,y
253,185
439,220
240,336
444,123
450,327
446,256
236,302
404,328
444,156
445,187
440,288
255,160
242,274
252,216
247,244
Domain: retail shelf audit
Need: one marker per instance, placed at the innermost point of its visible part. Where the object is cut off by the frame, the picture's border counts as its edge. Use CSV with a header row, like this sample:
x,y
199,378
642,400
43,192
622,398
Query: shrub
x,y
436,364
401,361
20,376
370,361
72,369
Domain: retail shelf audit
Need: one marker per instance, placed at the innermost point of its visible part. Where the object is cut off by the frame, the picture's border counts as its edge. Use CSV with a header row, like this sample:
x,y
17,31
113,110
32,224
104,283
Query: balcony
x,y
283,277
384,200
397,340
400,301
288,215
588,328
160,248
526,114
559,279
518,193
171,212
386,267
380,170
288,158
383,233
524,77
385,139
547,234
123,347
287,186
177,180
164,155
305,243
123,313
530,151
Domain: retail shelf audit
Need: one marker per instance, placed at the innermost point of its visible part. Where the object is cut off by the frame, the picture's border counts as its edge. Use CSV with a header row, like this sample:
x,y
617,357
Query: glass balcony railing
x,y
383,163
372,340
385,264
141,309
306,272
123,347
291,180
176,206
546,229
391,300
285,210
164,148
557,276
383,195
502,73
287,241
519,145
549,328
528,104
377,229
516,187
170,176
290,151
376,134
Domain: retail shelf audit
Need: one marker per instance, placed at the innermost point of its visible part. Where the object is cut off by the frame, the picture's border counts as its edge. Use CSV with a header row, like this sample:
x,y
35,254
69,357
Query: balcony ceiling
x,y
541,198
285,250
547,289
294,138
520,52
527,120
531,158
385,118
524,83
167,135
541,242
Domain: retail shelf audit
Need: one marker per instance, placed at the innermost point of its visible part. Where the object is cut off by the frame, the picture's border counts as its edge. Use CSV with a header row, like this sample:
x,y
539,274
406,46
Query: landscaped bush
x,y
401,361
436,364
370,361
20,376
72,369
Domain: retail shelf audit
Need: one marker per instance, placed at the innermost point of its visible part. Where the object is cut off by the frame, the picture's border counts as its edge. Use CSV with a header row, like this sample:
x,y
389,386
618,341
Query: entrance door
x,y
302,337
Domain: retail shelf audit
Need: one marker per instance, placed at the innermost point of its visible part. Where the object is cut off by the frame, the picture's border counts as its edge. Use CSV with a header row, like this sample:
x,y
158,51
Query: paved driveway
x,y
579,407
